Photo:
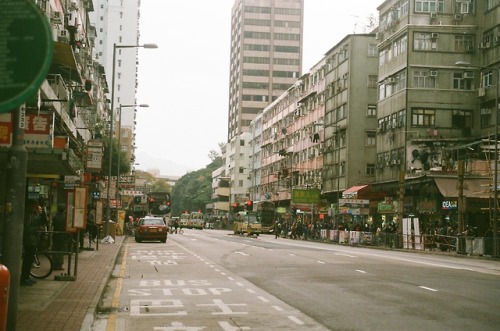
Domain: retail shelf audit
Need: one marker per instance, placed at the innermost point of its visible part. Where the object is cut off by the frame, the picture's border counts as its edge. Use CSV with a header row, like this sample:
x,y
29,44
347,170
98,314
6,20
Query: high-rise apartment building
x,y
265,61
117,22
266,56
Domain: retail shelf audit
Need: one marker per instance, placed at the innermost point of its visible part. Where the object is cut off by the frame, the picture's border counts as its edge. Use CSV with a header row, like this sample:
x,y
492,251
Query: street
x,y
214,280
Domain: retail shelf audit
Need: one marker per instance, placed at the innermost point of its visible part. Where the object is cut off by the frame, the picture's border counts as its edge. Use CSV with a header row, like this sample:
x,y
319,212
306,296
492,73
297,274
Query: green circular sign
x,y
26,49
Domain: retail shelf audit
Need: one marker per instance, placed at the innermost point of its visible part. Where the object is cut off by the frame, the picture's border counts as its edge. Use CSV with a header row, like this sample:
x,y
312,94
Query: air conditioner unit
x,y
377,36
433,14
434,35
469,74
496,40
481,92
433,73
457,17
470,48
390,80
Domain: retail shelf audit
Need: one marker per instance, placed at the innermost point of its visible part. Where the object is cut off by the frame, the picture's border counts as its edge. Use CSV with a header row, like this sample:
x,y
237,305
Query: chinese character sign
x,y
39,131
306,196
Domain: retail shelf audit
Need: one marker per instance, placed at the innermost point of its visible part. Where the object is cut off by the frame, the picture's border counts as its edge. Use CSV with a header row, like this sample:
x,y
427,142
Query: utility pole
x,y
14,213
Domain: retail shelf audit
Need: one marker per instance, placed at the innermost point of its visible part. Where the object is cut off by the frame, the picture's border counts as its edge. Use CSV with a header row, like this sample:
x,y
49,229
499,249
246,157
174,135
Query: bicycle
x,y
42,266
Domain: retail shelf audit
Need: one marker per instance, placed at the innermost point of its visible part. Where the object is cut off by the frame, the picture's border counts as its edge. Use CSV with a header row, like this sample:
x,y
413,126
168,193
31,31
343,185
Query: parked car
x,y
151,228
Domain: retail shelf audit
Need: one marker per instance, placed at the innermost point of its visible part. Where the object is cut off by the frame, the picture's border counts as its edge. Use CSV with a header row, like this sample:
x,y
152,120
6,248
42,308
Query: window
x,y
241,170
287,49
460,82
461,119
260,48
402,118
242,142
255,9
372,50
423,79
423,117
287,11
486,118
286,36
428,6
423,41
370,169
372,80
371,138
257,35
464,43
371,111
488,78
249,21
254,59
287,24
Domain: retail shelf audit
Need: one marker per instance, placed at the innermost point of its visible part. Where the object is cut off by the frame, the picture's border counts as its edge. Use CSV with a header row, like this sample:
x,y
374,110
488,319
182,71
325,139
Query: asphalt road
x,y
214,280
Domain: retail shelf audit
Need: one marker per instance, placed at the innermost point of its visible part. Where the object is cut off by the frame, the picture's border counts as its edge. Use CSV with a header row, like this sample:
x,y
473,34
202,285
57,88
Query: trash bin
x,y
112,229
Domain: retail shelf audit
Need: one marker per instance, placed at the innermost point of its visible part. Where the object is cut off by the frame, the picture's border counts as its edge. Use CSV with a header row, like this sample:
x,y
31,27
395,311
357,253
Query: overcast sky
x,y
185,80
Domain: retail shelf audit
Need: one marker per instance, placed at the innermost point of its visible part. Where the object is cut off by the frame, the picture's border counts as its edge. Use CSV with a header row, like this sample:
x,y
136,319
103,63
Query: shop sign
x,y
39,131
449,204
95,154
70,182
355,203
6,130
383,207
306,196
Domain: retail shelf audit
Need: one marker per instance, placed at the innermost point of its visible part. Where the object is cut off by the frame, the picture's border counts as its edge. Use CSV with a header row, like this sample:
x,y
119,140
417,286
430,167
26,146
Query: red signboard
x,y
6,130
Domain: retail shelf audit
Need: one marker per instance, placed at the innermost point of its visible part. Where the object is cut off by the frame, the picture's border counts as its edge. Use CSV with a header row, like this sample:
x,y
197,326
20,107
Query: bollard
x,y
4,295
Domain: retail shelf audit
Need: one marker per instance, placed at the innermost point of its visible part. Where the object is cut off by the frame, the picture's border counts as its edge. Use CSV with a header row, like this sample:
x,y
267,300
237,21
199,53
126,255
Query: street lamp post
x,y
495,166
119,150
110,157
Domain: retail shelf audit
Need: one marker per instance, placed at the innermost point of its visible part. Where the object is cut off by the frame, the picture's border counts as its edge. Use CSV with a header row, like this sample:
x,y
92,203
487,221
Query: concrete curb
x,y
90,315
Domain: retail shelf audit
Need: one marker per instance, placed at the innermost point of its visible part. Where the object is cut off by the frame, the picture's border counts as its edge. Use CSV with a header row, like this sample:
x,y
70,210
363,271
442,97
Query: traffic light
x,y
294,211
249,205
236,207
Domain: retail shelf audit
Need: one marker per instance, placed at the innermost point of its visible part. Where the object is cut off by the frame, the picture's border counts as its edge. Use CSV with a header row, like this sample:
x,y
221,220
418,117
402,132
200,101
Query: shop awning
x,y
64,62
473,188
352,191
53,161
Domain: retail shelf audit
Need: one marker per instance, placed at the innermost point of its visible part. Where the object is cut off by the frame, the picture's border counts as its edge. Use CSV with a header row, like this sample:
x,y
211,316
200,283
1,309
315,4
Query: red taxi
x,y
151,228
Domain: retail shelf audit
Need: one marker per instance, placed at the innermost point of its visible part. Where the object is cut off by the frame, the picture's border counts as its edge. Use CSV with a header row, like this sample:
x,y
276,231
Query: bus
x,y
247,222
267,213
159,203
193,220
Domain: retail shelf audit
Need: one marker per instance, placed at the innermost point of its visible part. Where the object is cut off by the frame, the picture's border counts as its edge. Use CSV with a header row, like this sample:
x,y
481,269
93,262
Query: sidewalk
x,y
68,305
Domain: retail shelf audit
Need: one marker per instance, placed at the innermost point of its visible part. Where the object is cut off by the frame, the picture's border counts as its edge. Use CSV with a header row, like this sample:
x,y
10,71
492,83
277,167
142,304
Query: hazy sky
x,y
185,81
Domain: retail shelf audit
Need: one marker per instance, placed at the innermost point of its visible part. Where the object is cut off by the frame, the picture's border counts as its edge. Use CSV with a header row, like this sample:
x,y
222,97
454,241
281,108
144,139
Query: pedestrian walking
x,y
30,241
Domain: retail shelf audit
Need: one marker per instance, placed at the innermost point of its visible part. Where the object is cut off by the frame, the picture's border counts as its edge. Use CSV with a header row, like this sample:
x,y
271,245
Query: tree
x,y
121,157
193,191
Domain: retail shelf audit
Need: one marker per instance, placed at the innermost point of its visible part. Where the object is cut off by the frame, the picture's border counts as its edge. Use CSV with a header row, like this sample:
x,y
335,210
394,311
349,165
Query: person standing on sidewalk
x,y
60,237
30,241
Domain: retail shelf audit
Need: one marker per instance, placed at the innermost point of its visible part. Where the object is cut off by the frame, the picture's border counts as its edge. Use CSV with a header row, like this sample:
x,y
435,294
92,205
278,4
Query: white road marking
x,y
428,288
321,262
361,271
296,320
261,298
278,308
241,253
344,255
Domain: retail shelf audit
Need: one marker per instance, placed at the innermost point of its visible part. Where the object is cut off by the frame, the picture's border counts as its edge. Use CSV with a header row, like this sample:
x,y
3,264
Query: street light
x,y
495,179
110,157
119,149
